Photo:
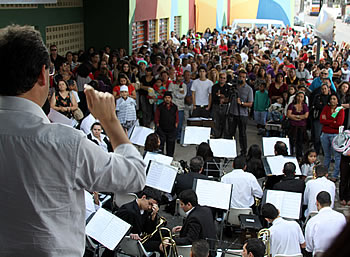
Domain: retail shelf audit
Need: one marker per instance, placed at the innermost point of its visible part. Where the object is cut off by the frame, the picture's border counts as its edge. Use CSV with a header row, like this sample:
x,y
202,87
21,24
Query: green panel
x,y
106,23
41,17
183,9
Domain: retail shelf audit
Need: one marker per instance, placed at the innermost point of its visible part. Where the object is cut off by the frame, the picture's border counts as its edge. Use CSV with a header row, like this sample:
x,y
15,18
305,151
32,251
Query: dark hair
x,y
281,148
200,248
150,193
269,211
95,124
196,164
336,95
305,159
149,69
22,55
152,144
289,169
189,196
321,170
254,162
239,162
324,198
204,151
256,247
202,67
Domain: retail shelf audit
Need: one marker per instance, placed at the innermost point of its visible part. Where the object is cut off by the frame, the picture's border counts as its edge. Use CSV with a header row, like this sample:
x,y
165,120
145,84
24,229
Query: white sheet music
x,y
276,164
214,194
196,135
57,117
269,144
161,176
139,135
288,203
107,228
225,148
158,158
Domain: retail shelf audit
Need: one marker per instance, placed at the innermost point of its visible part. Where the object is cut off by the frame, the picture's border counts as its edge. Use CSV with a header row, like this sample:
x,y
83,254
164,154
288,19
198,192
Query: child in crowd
x,y
261,105
126,109
159,90
276,110
308,163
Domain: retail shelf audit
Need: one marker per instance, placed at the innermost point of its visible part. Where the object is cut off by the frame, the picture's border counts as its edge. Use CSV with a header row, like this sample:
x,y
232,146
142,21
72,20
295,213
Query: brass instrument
x,y
314,169
162,222
264,236
171,242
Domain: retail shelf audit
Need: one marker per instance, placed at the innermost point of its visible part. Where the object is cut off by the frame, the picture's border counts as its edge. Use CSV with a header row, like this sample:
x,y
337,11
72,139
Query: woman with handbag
x,y
297,113
332,117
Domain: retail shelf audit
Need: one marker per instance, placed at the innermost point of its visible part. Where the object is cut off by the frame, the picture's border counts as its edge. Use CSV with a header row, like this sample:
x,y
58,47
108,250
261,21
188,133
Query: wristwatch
x,y
242,103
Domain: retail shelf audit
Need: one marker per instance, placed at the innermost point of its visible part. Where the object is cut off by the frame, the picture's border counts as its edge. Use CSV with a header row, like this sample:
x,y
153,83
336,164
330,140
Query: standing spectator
x,y
220,94
146,107
179,91
297,113
126,109
261,105
345,72
188,99
166,120
62,101
305,41
332,117
239,111
201,94
55,58
277,88
344,96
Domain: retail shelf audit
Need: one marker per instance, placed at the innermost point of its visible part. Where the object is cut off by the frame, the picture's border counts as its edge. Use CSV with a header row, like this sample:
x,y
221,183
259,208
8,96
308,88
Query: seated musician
x,y
286,236
141,214
289,182
198,224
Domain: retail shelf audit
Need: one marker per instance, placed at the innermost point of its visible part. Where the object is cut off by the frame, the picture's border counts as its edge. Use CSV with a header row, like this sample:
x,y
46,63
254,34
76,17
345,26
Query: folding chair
x,y
184,250
233,252
95,247
121,199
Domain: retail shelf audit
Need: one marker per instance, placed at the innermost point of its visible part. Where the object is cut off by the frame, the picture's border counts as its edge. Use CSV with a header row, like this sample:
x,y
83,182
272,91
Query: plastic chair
x,y
184,250
121,199
233,252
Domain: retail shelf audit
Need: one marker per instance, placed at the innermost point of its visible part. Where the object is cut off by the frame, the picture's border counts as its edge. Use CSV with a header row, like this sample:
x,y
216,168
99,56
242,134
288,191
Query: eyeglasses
x,y
324,73
53,50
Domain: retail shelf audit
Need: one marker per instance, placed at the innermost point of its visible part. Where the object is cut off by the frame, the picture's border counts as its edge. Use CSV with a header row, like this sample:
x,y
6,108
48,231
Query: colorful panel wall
x,y
206,14
276,9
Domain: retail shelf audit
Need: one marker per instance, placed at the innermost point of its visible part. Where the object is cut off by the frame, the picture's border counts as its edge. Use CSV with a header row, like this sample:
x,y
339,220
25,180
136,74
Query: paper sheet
x,y
107,228
196,135
139,135
161,176
225,148
276,164
158,158
213,194
269,144
288,203
57,117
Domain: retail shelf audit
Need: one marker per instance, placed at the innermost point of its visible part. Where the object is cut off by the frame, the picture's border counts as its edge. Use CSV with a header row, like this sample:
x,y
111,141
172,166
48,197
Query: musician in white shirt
x,y
323,228
286,236
245,185
314,186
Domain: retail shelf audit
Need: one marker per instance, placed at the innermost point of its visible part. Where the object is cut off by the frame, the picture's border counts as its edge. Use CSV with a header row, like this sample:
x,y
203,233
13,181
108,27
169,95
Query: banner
x,y
324,27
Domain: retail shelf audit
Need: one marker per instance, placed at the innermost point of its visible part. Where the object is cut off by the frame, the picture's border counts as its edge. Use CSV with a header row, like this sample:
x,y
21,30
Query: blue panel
x,y
174,12
269,9
219,14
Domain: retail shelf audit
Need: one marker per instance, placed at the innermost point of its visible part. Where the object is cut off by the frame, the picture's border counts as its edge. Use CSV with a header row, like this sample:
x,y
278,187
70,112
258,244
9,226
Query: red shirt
x,y
330,124
223,48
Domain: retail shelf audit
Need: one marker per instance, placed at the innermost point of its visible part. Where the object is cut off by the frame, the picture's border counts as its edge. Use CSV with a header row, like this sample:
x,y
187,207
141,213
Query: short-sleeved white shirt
x,y
202,89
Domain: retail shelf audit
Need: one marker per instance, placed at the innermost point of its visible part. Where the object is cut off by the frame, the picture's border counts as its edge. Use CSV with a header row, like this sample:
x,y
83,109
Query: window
x,y
138,34
177,25
163,29
152,31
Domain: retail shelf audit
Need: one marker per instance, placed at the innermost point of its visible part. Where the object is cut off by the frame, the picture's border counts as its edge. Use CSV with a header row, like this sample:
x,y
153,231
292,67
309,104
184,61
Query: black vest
x,y
167,118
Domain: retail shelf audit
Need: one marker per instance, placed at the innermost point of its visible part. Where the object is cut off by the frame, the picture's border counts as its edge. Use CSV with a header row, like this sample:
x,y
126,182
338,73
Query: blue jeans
x,y
260,117
326,141
179,126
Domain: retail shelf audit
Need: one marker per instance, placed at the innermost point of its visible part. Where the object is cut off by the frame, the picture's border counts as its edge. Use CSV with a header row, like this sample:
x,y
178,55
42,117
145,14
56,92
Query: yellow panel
x,y
164,9
205,14
243,9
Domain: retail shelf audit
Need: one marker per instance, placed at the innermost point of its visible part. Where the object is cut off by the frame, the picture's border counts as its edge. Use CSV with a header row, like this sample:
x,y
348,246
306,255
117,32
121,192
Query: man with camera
x,y
241,101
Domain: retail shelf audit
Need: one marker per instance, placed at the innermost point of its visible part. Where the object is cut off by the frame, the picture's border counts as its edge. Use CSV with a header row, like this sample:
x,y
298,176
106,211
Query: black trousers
x,y
344,184
200,112
297,140
219,117
241,123
168,138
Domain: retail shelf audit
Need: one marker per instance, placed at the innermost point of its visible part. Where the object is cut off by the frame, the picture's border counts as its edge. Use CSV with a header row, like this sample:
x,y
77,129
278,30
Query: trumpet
x,y
314,169
162,222
264,235
173,250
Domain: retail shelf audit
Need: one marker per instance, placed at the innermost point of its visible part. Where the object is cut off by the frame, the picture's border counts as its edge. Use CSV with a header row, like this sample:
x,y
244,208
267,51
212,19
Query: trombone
x,y
162,222
264,235
173,250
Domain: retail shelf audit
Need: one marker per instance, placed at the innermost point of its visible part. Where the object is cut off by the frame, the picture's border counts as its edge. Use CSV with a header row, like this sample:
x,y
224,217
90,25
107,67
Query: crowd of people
x,y
231,77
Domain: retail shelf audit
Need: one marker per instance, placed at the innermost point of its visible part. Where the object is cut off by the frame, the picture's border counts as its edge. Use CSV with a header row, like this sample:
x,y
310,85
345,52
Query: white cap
x,y
124,88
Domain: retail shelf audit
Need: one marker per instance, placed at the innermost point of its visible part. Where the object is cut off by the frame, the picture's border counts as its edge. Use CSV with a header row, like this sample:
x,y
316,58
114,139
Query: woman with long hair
x,y
62,101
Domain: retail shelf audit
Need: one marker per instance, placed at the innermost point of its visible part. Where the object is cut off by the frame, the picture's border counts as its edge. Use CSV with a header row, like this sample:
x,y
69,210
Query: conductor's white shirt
x,y
322,229
286,237
313,187
245,188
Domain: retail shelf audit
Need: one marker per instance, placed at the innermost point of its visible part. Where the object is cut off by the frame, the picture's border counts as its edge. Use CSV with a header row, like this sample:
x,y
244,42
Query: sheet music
x,y
276,164
161,176
157,157
57,117
288,203
269,144
223,147
139,135
107,228
213,194
196,135
198,118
